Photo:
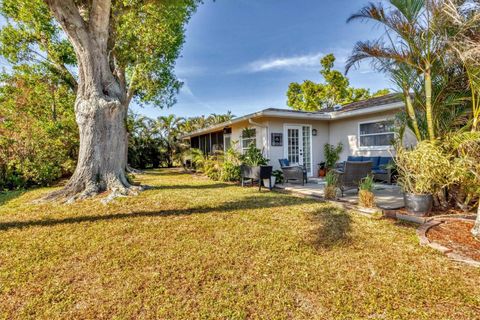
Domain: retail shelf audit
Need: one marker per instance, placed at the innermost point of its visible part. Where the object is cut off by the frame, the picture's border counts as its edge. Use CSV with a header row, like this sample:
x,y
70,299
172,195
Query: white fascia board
x,y
298,115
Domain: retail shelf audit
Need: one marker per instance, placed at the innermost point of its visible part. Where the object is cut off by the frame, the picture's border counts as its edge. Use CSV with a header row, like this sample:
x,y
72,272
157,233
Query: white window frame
x,y
387,147
251,138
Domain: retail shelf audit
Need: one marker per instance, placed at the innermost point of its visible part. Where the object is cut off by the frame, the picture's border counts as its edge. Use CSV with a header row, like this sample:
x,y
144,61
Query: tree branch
x,y
68,16
100,19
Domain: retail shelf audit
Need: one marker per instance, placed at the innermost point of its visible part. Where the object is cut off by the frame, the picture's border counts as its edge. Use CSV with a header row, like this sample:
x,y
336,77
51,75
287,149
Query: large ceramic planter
x,y
418,204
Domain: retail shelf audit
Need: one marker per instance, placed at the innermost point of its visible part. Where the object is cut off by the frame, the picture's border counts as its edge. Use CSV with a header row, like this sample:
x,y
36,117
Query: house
x,y
365,128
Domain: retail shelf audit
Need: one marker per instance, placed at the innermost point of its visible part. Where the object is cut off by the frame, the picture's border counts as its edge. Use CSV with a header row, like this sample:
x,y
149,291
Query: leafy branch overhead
x,y
336,89
144,41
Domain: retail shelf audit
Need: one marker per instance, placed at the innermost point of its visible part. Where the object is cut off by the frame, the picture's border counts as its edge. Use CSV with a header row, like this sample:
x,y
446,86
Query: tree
x,y
201,122
123,50
38,133
311,96
412,51
169,129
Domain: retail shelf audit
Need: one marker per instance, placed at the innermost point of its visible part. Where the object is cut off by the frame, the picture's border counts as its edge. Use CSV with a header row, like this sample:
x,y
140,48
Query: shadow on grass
x,y
165,172
188,186
8,196
247,203
332,227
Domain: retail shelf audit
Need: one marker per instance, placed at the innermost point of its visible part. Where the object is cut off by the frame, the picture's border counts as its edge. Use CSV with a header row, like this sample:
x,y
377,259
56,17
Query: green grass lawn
x,y
191,248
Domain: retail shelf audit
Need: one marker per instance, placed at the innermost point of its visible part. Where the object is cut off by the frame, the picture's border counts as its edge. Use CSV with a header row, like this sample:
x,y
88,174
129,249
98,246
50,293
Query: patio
x,y
386,196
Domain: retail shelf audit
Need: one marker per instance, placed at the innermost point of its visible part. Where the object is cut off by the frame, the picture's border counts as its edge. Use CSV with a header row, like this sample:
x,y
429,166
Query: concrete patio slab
x,y
387,197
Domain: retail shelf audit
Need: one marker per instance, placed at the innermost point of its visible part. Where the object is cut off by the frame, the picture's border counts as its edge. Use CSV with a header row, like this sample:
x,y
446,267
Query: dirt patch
x,y
455,235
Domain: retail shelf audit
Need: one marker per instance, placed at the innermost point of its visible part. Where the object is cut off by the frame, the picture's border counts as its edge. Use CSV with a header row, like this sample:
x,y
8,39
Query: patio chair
x,y
352,174
297,173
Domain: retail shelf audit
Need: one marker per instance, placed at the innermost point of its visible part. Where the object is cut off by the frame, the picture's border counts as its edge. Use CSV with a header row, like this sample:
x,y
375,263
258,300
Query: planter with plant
x,y
366,198
422,172
322,169
332,155
254,165
331,181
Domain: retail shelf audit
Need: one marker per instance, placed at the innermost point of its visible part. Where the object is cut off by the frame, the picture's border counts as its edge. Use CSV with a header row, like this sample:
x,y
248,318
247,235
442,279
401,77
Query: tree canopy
x,y
144,41
336,89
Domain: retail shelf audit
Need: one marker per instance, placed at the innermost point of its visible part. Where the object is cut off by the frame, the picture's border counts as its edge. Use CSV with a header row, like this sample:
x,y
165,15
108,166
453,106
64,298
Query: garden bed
x,y
455,235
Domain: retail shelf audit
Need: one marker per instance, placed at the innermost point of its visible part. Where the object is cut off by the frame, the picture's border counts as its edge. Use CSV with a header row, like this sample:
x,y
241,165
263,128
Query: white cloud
x,y
285,63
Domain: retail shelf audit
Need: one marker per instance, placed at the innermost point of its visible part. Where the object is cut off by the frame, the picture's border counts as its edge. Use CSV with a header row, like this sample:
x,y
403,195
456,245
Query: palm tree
x,y
169,129
409,51
461,22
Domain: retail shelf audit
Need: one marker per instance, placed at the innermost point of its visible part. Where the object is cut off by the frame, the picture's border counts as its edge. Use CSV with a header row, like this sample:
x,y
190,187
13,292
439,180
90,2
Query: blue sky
x,y
240,55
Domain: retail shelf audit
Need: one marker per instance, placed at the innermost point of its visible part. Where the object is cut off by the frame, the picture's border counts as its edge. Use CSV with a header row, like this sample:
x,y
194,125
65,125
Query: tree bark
x,y
476,227
100,108
428,103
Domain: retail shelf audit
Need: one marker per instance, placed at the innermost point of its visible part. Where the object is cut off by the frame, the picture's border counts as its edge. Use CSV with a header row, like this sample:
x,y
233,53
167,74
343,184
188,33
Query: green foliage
x,y
311,96
465,176
426,169
148,38
278,174
331,179
231,165
332,154
367,183
38,134
201,122
253,157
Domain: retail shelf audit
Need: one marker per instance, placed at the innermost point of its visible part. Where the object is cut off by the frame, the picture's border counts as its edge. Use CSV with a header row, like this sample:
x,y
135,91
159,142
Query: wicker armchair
x,y
352,174
297,173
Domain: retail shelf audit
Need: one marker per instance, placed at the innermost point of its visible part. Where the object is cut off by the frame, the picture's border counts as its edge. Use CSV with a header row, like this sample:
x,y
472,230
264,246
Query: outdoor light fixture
x,y
314,132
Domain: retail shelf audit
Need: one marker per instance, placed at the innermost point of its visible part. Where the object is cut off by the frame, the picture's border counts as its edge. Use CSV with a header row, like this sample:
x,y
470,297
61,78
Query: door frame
x,y
285,145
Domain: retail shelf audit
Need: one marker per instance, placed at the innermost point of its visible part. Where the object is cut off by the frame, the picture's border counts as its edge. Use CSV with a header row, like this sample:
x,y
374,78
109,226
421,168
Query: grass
x,y
191,248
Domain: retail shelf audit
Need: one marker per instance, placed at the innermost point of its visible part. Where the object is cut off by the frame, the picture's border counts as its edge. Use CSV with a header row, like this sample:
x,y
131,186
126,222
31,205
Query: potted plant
x,y
278,175
330,191
422,172
254,165
332,155
322,170
366,198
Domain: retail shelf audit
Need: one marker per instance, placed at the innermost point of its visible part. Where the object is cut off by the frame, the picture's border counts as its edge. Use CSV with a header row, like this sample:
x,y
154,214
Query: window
x,y
249,136
376,134
227,141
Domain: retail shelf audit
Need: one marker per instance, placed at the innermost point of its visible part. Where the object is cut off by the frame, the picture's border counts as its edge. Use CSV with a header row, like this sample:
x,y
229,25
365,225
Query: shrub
x,y
278,174
331,181
332,154
426,169
231,166
366,198
253,157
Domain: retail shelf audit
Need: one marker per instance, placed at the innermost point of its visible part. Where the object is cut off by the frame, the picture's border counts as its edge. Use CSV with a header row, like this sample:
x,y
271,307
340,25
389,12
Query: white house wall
x,y
346,132
276,125
333,132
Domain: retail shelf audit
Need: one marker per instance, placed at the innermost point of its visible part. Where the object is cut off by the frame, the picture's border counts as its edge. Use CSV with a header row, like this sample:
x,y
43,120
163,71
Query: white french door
x,y
298,147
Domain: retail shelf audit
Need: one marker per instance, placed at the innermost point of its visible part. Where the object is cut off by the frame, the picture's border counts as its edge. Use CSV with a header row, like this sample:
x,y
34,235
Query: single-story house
x,y
365,128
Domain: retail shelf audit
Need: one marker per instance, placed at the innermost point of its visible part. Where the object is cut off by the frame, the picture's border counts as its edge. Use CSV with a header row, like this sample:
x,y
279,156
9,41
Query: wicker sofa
x,y
352,174
381,167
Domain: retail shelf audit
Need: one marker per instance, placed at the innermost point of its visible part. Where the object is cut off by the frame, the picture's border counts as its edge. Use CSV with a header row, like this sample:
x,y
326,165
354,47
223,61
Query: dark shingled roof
x,y
367,103
373,102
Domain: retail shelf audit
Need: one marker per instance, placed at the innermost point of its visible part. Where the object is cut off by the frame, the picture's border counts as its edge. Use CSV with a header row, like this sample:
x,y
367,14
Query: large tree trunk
x,y
101,163
476,227
101,105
